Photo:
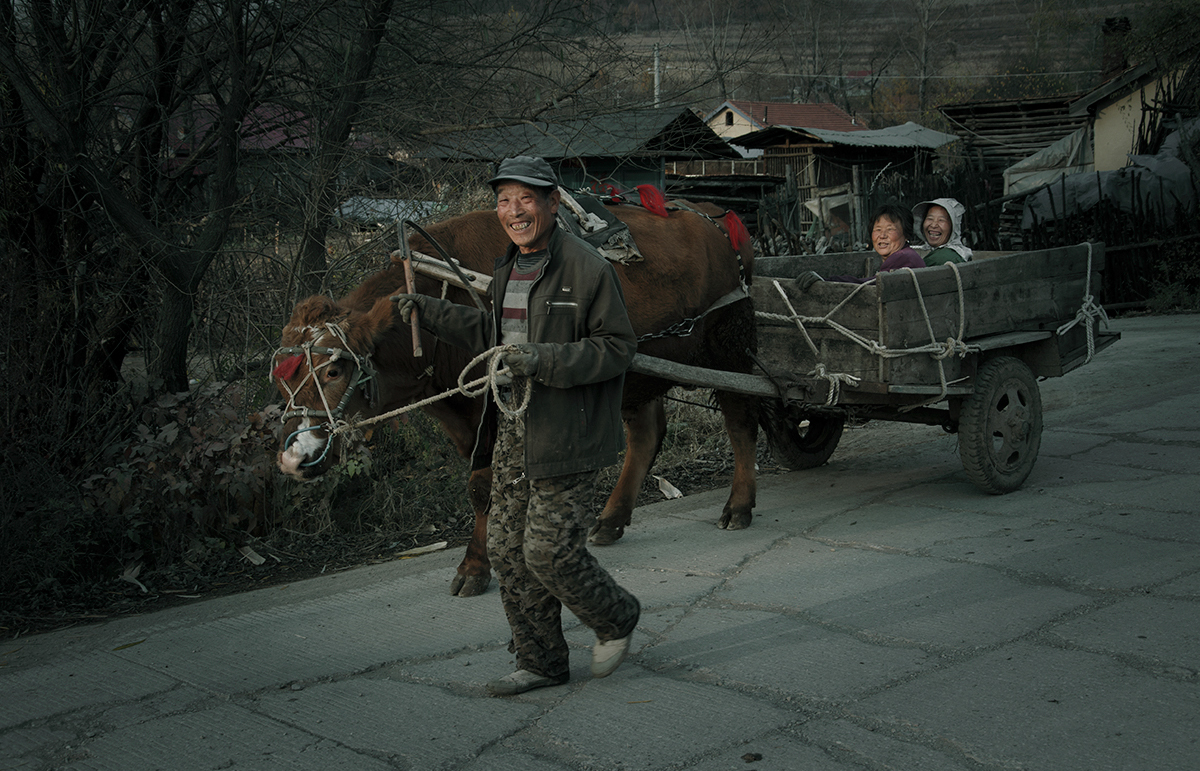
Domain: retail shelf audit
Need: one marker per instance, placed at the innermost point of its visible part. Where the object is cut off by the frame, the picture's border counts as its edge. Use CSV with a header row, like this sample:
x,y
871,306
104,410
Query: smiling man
x,y
559,310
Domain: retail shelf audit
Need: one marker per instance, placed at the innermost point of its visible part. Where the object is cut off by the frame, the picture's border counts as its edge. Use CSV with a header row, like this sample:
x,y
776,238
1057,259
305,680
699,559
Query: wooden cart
x,y
959,347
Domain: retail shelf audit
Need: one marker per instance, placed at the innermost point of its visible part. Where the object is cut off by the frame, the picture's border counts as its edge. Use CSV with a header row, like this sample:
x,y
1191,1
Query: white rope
x,y
953,346
1090,310
835,379
495,375
950,346
330,328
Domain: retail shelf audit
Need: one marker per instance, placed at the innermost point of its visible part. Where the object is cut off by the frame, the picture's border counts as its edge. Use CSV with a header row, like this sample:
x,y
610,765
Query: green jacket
x,y
585,343
941,256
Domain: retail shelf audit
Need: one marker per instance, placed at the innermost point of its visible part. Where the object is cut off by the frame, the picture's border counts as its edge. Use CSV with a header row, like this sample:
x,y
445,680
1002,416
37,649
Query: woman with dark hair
x,y
891,232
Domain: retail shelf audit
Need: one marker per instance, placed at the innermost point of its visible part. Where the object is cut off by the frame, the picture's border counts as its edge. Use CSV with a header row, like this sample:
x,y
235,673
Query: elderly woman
x,y
940,222
891,230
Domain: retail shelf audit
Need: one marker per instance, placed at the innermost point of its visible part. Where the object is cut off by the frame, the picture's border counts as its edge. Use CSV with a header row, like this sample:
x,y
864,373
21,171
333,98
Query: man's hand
x,y
522,362
407,303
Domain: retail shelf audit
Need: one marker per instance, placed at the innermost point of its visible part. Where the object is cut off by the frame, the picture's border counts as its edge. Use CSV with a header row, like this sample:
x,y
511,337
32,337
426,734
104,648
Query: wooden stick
x,y
416,323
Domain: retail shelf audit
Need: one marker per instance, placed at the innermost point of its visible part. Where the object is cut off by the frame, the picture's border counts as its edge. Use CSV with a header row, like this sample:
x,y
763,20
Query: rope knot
x,y
835,380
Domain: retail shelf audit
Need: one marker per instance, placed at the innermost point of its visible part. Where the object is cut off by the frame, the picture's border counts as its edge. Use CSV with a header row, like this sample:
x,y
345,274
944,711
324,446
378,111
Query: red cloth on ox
x,y
286,368
738,235
653,199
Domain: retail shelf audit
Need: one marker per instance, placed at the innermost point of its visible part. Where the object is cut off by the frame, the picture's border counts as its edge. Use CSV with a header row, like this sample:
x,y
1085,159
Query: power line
x,y
926,77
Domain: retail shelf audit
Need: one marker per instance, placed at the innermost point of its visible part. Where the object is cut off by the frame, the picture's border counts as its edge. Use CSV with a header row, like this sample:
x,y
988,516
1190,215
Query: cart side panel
x,y
826,265
1009,307
1024,291
782,346
922,369
1060,354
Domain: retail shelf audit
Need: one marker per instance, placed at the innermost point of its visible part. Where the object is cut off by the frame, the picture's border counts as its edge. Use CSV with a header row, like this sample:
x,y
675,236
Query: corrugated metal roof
x,y
907,135
673,134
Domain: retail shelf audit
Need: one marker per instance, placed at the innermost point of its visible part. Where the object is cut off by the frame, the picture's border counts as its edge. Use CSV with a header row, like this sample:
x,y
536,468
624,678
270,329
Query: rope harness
x,y
364,376
496,375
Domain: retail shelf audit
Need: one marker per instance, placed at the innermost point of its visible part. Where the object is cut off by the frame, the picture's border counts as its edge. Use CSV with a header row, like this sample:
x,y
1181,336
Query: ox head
x,y
325,373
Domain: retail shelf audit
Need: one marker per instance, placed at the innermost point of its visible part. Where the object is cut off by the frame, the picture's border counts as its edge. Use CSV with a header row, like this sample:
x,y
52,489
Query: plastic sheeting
x,y
385,211
1160,184
1070,155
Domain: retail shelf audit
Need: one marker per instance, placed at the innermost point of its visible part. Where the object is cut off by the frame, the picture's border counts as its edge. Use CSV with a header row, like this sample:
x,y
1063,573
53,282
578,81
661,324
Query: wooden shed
x,y
998,133
816,161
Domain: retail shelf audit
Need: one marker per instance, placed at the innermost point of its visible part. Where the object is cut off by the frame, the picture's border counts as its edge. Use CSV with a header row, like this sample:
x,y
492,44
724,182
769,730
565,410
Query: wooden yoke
x,y
416,324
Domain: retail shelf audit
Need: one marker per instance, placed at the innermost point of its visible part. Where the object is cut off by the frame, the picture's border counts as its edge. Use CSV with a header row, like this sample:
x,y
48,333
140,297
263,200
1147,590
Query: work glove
x,y
807,279
522,362
407,303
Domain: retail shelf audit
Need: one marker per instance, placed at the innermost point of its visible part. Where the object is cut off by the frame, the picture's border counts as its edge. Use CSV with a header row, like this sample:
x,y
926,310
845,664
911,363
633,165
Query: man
x,y
558,307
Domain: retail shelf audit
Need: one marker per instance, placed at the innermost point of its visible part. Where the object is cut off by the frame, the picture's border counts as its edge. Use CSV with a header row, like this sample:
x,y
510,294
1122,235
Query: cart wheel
x,y
800,441
1000,428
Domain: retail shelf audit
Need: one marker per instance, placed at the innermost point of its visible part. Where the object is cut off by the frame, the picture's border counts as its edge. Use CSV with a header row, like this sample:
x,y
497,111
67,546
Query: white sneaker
x,y
521,681
608,655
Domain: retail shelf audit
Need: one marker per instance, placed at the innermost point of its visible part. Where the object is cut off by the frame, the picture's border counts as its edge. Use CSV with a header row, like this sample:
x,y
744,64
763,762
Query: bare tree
x,y
928,41
812,46
721,44
102,92
344,87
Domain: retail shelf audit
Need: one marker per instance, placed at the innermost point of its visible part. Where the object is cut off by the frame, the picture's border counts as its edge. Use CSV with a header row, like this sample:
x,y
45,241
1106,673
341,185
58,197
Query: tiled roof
x,y
822,115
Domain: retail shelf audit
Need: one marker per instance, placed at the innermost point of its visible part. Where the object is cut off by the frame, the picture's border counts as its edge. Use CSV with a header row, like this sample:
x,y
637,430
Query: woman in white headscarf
x,y
940,223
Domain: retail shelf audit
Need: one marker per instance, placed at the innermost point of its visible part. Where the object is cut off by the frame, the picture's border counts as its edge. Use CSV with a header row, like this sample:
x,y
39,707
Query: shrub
x,y
197,464
1175,285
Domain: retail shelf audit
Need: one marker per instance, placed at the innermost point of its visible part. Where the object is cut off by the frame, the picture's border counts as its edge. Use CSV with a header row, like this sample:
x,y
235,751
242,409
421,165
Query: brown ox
x,y
689,265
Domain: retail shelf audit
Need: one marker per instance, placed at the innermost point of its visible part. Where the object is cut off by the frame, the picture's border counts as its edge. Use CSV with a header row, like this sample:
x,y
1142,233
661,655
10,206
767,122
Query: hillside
x,y
769,51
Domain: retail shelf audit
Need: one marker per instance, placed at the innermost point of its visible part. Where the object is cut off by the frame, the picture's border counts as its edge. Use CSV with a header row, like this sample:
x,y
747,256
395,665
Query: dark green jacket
x,y
585,342
941,256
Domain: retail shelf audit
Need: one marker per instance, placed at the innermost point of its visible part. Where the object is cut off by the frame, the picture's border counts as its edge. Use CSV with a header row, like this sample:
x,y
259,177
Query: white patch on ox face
x,y
306,445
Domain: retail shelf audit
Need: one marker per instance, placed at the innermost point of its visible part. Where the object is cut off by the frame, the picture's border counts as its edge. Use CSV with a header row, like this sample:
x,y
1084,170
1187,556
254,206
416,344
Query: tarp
x,y
385,211
1160,185
1070,155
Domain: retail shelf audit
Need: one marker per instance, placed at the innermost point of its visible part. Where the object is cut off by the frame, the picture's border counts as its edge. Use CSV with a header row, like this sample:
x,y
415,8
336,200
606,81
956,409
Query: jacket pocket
x,y
555,307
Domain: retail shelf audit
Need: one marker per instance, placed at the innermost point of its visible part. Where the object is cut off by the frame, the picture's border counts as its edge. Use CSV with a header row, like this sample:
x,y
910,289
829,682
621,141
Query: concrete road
x,y
881,613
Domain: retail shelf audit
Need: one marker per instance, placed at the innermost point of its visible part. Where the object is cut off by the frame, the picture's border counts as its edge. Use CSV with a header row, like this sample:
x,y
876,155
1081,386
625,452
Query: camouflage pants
x,y
537,543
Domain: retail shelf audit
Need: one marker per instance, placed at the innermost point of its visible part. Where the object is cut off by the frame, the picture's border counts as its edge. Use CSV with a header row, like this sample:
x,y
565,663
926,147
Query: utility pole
x,y
657,78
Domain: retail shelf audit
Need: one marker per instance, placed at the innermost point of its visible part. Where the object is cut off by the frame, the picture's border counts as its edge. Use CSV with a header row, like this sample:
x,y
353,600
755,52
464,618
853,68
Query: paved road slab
x,y
1038,707
880,613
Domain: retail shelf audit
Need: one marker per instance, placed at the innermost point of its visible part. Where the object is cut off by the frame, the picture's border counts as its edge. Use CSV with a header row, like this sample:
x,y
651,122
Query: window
x,y
729,117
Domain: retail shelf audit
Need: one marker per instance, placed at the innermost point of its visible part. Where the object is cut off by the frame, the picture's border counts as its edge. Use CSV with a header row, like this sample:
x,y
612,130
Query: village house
x,y
736,117
602,154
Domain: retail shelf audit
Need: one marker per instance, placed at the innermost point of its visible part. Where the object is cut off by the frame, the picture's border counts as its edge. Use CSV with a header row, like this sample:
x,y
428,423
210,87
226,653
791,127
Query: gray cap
x,y
527,169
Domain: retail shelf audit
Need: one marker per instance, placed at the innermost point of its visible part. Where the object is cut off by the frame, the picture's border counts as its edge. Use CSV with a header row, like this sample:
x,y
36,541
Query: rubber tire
x,y
798,448
1000,426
